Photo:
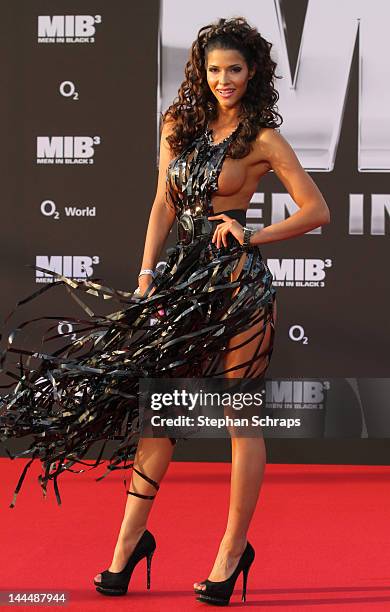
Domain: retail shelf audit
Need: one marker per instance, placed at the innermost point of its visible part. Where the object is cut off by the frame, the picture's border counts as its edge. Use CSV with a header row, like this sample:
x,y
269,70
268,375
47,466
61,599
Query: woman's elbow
x,y
323,216
325,219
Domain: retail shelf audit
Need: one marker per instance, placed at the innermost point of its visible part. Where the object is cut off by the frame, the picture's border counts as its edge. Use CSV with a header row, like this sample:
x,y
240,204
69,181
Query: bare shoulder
x,y
283,160
167,128
275,149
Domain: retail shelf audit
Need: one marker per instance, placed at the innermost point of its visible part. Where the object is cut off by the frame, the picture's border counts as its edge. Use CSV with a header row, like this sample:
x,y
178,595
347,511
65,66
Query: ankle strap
x,y
150,480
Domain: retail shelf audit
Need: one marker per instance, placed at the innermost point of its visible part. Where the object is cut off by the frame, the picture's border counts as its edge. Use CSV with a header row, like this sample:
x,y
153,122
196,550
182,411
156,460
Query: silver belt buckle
x,y
189,228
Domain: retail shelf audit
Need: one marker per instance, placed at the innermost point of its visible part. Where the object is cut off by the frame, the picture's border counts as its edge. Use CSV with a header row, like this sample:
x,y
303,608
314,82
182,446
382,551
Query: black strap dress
x,y
210,314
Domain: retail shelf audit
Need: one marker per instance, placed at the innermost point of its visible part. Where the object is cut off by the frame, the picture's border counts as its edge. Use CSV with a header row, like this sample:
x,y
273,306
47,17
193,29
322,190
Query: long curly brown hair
x,y
195,105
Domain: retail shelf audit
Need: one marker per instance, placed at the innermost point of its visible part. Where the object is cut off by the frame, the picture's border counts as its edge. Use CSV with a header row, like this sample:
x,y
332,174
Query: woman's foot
x,y
227,559
123,549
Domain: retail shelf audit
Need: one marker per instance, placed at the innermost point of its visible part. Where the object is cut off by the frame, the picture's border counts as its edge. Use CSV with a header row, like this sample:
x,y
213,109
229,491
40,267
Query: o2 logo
x,y
67,89
49,209
64,327
296,333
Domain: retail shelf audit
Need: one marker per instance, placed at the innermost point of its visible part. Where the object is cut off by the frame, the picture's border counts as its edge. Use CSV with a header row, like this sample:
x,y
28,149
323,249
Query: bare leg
x,y
152,458
248,454
248,462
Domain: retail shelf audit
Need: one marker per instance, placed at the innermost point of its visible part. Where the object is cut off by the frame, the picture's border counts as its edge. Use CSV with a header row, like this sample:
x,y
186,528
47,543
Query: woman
x,y
214,302
225,99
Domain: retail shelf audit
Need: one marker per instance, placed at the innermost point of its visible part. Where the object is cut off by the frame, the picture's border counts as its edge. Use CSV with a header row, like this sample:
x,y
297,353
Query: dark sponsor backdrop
x,y
103,207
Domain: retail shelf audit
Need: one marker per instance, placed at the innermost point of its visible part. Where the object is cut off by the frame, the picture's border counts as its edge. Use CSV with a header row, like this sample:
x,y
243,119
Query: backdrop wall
x,y
80,121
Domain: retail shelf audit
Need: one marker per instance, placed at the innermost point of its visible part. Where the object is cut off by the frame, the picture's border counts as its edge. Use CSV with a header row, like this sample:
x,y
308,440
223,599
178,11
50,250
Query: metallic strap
x,y
192,176
148,479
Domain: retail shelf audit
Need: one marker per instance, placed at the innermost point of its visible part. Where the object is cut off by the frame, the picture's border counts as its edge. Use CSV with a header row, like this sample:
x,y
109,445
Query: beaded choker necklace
x,y
209,136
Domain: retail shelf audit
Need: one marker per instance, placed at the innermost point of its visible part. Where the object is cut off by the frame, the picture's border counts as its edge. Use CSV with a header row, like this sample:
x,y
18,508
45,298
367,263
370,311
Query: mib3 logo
x,y
67,28
66,149
78,267
299,272
296,394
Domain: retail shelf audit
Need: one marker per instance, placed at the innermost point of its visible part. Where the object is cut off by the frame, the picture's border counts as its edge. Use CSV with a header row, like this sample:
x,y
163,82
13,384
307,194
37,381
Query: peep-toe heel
x,y
116,583
219,593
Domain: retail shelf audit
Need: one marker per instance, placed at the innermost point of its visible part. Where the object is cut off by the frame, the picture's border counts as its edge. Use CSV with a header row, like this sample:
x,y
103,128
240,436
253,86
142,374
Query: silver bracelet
x,y
147,271
248,233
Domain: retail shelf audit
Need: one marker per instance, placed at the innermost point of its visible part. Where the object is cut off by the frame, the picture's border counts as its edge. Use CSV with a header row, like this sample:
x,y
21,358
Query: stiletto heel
x,y
219,593
244,582
116,583
149,568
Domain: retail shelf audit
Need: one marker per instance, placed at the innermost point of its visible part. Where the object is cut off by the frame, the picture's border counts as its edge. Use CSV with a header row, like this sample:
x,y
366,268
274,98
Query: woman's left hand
x,y
228,226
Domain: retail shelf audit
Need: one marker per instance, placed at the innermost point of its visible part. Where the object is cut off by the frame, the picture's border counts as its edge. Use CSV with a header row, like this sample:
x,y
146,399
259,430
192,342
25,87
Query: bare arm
x,y
313,210
161,216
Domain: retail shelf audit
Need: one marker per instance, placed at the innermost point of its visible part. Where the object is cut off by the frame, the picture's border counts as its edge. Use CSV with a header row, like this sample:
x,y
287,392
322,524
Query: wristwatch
x,y
248,232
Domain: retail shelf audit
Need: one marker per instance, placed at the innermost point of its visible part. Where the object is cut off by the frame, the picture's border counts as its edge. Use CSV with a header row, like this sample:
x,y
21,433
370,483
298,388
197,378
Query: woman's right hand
x,y
143,283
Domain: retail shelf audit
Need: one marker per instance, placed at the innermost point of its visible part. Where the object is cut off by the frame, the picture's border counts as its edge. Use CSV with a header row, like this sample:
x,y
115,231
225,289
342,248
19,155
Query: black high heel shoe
x,y
219,593
116,583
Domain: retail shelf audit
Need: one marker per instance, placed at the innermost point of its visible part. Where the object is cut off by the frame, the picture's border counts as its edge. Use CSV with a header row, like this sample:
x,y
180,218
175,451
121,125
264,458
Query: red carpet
x,y
321,535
